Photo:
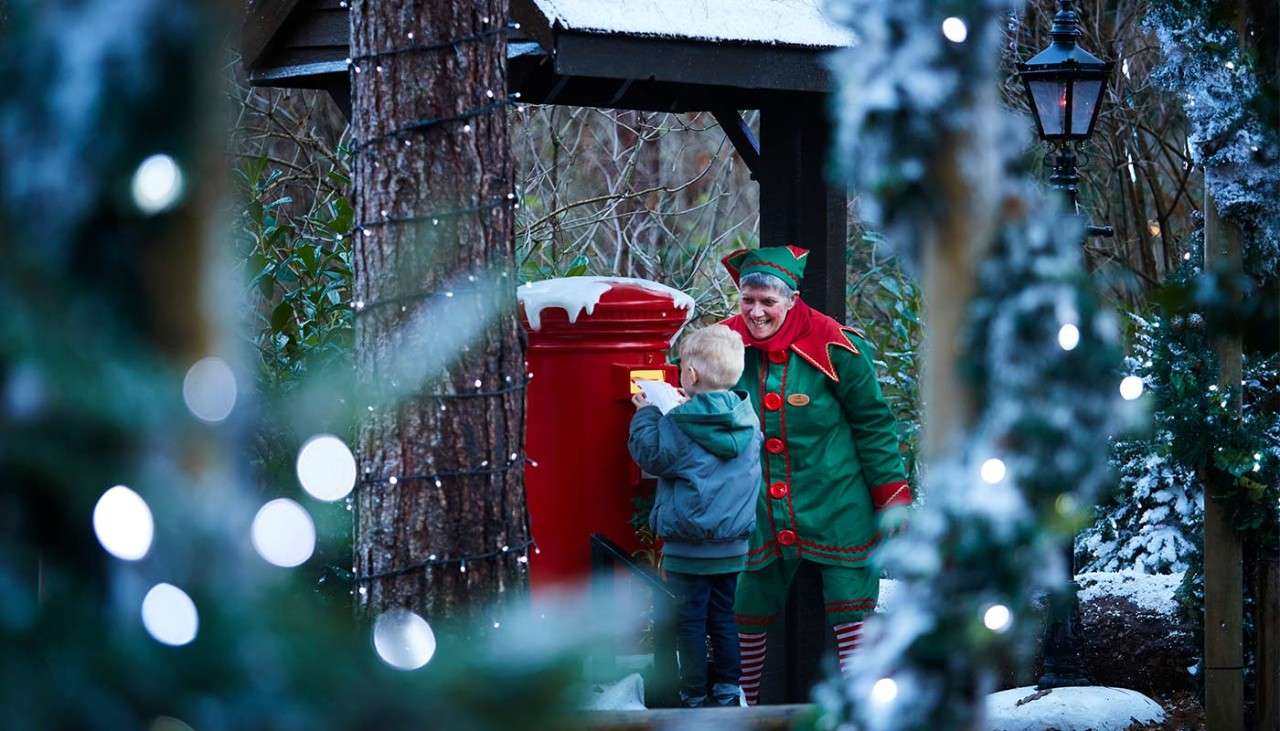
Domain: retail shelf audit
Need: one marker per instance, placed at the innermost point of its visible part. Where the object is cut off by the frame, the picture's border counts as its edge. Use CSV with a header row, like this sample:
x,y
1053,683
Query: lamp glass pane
x,y
1084,100
1050,98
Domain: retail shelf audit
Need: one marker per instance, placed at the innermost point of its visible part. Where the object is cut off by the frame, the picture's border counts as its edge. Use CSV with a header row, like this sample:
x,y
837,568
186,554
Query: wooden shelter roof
x,y
659,55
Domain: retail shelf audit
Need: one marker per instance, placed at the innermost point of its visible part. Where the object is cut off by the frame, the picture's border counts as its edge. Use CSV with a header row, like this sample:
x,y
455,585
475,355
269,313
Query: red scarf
x,y
806,332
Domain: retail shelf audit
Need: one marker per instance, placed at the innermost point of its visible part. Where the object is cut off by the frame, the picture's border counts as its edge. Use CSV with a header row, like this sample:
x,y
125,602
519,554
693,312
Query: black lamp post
x,y
1064,84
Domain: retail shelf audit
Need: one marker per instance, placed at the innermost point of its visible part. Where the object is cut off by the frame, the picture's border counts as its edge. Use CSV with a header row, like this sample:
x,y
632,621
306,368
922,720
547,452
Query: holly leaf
x,y
577,267
282,317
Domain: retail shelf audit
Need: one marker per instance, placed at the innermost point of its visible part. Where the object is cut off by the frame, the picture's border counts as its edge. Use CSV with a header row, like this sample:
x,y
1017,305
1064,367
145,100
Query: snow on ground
x,y
625,695
576,294
1069,709
1151,592
784,22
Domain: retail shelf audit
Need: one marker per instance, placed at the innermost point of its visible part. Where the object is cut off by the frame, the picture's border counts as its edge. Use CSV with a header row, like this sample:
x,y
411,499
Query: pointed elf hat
x,y
784,262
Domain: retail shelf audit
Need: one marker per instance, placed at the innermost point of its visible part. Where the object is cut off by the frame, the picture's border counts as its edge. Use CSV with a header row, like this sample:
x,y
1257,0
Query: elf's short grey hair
x,y
760,280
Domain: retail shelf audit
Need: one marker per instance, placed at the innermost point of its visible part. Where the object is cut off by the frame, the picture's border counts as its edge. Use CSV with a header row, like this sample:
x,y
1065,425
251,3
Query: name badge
x,y
798,399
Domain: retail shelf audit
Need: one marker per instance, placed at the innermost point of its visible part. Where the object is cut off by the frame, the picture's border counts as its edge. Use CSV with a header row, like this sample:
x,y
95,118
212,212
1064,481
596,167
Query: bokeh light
x,y
1065,504
1068,336
157,184
169,615
884,691
1131,388
997,618
283,533
122,521
326,468
955,30
403,639
992,471
169,723
209,389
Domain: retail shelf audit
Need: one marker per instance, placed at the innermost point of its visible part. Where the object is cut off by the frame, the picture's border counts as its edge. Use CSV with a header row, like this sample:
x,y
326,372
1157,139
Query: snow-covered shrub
x,y
1150,526
1224,93
1150,520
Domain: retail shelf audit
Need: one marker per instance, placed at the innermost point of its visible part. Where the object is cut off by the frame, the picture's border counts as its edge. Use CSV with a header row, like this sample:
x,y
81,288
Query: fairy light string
x,y
521,550
364,150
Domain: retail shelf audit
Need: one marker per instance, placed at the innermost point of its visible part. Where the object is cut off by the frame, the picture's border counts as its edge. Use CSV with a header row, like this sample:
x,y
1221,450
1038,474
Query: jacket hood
x,y
721,422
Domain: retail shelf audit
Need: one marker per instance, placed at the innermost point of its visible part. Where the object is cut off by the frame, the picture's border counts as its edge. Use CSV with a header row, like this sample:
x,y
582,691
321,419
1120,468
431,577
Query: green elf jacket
x,y
830,460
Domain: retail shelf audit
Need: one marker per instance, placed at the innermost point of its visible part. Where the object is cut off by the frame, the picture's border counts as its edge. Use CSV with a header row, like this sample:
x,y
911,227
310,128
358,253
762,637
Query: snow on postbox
x,y
589,339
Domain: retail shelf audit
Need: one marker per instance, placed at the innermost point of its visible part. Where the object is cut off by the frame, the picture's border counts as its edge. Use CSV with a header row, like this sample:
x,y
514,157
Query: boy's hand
x,y
640,401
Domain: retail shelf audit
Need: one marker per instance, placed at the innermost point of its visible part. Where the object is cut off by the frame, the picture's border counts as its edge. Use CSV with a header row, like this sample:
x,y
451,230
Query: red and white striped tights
x,y
752,646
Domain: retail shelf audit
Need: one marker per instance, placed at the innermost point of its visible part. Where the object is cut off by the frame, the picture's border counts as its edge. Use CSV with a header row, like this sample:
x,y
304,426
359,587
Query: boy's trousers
x,y
706,611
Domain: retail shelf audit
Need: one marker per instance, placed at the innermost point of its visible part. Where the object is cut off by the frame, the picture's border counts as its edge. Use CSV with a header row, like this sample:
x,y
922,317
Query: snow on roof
x,y
781,22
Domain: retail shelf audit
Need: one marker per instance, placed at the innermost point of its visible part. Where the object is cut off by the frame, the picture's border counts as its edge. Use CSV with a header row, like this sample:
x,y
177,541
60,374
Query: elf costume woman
x,y
830,460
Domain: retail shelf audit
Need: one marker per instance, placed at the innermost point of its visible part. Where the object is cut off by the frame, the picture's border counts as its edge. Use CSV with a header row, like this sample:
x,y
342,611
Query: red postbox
x,y
589,338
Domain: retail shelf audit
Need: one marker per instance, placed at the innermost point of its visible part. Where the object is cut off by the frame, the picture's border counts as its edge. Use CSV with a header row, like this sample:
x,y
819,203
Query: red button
x,y
774,445
772,401
777,356
786,537
778,490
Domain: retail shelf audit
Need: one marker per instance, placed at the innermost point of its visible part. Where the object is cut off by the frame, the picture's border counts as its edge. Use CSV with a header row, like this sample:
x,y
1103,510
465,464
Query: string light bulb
x,y
997,618
992,471
884,691
1068,336
1131,388
955,30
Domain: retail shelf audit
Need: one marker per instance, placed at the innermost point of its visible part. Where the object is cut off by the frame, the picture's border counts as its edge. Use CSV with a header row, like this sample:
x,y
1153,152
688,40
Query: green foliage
x,y
299,267
537,269
884,301
1233,432
296,265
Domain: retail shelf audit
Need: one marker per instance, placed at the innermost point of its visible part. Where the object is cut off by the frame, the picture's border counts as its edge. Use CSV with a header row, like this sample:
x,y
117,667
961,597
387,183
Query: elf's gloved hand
x,y
893,520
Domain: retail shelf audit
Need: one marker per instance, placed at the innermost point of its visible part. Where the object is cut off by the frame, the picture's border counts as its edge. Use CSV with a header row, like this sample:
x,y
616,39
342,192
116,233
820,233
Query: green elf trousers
x,y
849,593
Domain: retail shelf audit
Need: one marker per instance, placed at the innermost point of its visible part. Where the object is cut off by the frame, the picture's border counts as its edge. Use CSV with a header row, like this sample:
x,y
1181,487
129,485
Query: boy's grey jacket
x,y
706,456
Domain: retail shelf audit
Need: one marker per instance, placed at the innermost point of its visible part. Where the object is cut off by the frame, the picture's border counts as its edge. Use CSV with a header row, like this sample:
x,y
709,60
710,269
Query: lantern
x,y
1064,82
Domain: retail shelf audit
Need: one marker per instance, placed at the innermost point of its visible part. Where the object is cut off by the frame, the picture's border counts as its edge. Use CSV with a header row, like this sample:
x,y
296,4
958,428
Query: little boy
x,y
706,456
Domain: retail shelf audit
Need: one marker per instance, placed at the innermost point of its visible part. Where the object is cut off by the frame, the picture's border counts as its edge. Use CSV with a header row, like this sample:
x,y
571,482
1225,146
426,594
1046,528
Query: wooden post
x,y
952,247
955,240
1223,568
798,206
1268,642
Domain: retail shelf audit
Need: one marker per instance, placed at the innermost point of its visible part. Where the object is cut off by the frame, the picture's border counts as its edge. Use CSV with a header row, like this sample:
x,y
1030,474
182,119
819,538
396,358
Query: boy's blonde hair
x,y
716,353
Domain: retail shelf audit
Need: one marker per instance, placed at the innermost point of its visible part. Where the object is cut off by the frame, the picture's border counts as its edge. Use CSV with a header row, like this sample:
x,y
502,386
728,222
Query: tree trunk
x,y
1223,567
427,537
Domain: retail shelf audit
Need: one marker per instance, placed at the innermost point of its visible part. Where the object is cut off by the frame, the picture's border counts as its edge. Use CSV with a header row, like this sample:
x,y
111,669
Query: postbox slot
x,y
626,375
647,374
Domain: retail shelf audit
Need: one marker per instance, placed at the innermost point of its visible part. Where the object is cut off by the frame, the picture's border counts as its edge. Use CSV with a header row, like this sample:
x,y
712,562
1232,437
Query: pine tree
x,y
437,348
1149,523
